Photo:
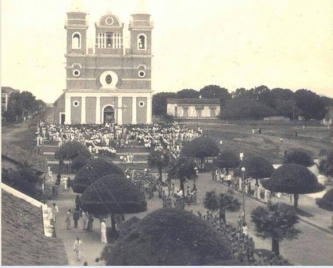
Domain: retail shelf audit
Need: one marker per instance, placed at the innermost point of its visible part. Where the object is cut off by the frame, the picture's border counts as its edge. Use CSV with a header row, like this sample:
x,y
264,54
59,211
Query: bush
x,y
71,150
92,171
326,202
79,162
170,236
299,157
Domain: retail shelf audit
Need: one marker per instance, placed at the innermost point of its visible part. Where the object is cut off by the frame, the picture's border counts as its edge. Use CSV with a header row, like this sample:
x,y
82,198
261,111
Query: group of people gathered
x,y
241,244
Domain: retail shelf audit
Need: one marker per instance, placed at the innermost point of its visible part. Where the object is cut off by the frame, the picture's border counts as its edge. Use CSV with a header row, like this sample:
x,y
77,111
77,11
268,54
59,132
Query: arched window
x,y
76,41
109,39
142,42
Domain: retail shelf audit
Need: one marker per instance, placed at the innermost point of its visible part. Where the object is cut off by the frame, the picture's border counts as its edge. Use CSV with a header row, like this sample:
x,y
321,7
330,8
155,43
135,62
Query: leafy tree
x,y
293,179
79,162
257,167
182,169
160,102
71,150
227,159
215,92
221,203
170,237
326,164
200,147
299,157
92,171
25,180
158,159
326,202
275,221
188,94
312,106
245,108
113,194
28,101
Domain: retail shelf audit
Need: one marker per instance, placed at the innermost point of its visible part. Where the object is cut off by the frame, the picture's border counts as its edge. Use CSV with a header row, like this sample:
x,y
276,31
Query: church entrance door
x,y
108,114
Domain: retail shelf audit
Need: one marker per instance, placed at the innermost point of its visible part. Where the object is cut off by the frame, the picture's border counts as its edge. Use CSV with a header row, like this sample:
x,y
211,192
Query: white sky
x,y
234,43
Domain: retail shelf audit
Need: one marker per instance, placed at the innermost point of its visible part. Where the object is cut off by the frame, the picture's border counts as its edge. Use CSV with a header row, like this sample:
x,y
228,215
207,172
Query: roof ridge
x,y
21,195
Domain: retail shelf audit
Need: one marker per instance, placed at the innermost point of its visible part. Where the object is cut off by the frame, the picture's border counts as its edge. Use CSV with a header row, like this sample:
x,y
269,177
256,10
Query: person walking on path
x,y
68,219
84,220
78,248
90,223
103,232
55,210
65,183
77,202
76,217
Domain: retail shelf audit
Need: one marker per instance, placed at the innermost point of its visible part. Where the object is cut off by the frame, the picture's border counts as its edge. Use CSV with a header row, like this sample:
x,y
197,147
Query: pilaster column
x,y
67,110
120,111
133,110
149,111
98,110
83,110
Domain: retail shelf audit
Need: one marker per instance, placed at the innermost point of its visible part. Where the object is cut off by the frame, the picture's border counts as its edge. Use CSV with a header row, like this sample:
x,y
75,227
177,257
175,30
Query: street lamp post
x,y
243,190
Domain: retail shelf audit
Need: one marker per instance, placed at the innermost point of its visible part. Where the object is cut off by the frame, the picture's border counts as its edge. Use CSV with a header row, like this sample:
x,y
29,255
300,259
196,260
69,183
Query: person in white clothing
x,y
78,248
103,232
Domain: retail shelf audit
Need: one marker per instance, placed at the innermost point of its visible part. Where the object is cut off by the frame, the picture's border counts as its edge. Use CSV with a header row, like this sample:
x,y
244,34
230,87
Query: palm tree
x,y
276,222
182,169
221,202
158,159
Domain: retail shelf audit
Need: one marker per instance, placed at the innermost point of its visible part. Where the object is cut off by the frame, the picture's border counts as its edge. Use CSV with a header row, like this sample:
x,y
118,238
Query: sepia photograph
x,y
166,132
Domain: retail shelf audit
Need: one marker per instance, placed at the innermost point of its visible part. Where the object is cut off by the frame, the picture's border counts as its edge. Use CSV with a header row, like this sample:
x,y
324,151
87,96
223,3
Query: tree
x,y
245,108
158,159
275,221
221,203
326,202
227,159
25,180
188,94
299,157
200,147
160,102
113,194
257,167
215,92
326,164
71,150
169,237
79,162
293,179
92,171
312,106
182,169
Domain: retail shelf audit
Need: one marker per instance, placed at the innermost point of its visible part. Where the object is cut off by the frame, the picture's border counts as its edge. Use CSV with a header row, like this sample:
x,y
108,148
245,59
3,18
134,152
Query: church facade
x,y
107,83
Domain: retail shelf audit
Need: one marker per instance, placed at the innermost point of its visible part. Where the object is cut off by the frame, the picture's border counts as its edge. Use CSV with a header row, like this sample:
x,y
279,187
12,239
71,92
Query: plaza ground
x,y
315,243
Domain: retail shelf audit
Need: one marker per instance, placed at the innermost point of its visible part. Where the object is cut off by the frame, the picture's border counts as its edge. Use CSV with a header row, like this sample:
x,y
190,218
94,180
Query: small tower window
x,y
109,39
142,42
76,41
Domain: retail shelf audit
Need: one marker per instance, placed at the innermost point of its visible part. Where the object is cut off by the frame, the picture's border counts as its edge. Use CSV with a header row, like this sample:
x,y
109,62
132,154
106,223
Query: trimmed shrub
x,y
92,171
170,237
71,150
326,202
299,157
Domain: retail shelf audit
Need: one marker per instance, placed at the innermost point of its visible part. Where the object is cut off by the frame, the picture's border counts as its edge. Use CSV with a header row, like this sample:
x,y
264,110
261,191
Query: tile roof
x,y
193,101
23,240
20,156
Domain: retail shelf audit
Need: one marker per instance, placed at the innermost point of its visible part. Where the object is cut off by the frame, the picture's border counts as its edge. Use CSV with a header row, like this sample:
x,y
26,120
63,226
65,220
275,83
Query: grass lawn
x,y
239,138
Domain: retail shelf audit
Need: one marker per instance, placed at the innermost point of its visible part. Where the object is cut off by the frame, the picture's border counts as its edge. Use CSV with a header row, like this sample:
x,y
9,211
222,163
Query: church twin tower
x,y
107,82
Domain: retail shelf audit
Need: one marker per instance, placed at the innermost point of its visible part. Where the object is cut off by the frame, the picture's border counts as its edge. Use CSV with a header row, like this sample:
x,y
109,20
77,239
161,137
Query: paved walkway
x,y
312,248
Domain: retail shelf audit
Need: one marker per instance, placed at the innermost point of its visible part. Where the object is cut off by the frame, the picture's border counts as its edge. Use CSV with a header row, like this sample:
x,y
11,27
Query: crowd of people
x,y
106,139
241,244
